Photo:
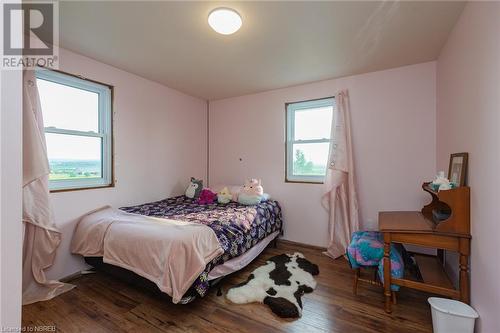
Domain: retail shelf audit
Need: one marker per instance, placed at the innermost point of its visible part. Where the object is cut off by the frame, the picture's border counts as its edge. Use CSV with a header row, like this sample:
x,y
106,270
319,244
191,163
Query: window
x,y
78,130
308,139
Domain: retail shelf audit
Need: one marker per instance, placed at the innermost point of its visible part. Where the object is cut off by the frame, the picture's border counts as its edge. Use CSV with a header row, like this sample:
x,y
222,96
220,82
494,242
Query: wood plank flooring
x,y
101,303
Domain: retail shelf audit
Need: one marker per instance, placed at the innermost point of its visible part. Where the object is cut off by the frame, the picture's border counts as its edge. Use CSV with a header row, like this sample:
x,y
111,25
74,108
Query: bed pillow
x,y
194,188
231,188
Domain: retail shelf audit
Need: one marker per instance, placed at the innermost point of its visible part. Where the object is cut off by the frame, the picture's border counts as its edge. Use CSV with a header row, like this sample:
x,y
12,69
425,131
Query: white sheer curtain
x,y
339,196
41,237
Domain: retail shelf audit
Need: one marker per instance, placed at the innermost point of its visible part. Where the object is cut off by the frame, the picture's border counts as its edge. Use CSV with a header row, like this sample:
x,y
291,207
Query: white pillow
x,y
232,188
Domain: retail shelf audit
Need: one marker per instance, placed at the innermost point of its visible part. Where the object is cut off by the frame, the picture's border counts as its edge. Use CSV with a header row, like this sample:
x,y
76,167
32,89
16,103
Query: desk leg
x,y
464,270
387,272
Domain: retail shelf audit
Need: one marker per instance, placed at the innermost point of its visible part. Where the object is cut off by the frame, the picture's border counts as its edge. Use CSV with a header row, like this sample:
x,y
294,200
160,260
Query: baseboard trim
x,y
76,275
309,246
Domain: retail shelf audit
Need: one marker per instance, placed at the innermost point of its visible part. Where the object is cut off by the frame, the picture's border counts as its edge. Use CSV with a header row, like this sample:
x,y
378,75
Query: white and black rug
x,y
280,284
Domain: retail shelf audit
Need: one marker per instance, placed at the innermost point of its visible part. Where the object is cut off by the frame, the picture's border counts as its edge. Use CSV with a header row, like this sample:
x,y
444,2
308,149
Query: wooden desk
x,y
417,228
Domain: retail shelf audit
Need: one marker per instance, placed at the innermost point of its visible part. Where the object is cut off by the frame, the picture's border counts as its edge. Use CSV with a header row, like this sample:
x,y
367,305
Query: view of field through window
x,y
71,169
306,166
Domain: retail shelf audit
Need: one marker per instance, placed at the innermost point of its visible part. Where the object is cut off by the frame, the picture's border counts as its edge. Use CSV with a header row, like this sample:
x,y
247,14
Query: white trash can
x,y
450,316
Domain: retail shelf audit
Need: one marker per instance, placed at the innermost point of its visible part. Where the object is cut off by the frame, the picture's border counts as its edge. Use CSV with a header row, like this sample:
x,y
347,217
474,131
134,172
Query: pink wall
x,y
393,121
160,141
468,118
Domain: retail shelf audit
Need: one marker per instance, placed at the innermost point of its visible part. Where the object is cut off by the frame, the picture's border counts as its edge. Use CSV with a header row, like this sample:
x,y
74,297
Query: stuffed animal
x,y
251,193
194,188
207,197
441,183
252,187
224,196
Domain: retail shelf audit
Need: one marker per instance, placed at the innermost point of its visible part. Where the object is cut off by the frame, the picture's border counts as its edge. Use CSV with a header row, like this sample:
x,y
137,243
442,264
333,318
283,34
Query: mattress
x,y
235,264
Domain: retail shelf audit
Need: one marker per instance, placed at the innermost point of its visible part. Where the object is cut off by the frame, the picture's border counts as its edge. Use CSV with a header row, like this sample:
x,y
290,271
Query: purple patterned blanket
x,y
238,227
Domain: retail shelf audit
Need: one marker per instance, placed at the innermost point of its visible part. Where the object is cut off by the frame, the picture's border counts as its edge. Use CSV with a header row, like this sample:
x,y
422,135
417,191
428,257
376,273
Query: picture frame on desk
x,y
457,171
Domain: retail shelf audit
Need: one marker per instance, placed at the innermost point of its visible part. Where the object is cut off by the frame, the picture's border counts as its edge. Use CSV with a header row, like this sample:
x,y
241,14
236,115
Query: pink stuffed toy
x,y
207,197
251,193
253,187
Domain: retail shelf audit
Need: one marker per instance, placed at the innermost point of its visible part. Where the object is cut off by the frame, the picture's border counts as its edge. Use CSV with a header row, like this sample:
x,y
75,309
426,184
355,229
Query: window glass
x,y
72,156
78,130
313,123
308,139
309,159
68,108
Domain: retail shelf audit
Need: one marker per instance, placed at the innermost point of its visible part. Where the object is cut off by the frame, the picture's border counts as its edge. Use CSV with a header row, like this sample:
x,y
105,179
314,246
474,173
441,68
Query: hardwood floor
x,y
101,303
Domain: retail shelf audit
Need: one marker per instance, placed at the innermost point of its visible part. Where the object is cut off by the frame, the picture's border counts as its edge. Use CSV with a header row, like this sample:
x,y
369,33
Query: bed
x,y
177,244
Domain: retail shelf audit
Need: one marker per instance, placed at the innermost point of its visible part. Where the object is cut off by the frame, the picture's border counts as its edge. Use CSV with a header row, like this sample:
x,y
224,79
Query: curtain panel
x,y
339,198
41,236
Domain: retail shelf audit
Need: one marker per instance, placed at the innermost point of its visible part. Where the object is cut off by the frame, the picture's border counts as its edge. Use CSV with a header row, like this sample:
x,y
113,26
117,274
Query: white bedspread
x,y
170,253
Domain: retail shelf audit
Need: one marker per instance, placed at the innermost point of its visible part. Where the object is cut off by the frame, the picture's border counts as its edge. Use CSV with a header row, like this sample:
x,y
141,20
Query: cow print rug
x,y
280,284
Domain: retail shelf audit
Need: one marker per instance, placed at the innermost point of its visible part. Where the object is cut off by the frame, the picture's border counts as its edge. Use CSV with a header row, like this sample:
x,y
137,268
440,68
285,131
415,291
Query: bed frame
x,y
140,282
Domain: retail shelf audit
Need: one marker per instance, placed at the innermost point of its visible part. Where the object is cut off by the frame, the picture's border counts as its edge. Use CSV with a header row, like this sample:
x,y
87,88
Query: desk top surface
x,y
404,221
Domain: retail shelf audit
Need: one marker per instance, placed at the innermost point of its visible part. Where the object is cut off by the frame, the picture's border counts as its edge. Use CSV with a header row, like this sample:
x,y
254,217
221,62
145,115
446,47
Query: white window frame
x,y
291,108
105,129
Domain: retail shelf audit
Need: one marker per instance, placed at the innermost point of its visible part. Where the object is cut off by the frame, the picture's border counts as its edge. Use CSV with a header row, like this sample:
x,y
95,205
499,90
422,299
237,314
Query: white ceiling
x,y
280,43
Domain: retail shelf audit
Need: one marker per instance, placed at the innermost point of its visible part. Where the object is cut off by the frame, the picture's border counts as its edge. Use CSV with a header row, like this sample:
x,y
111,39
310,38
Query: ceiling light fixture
x,y
225,21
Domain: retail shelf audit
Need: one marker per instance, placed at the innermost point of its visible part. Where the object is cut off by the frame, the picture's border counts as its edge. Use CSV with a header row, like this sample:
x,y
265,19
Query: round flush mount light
x,y
225,21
